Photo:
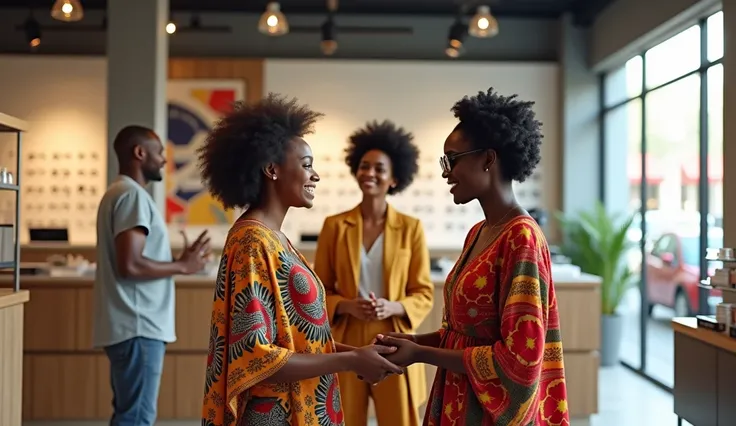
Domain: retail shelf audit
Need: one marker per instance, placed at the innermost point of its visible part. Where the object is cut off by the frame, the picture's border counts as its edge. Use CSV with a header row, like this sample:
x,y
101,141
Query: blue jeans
x,y
135,376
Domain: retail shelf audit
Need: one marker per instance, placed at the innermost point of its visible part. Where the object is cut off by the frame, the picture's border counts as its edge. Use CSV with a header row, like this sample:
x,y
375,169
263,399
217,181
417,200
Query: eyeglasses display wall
x,y
61,188
428,198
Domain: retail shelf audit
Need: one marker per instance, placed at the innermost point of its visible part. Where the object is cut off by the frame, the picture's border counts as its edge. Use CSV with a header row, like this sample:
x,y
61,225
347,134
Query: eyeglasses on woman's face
x,y
447,162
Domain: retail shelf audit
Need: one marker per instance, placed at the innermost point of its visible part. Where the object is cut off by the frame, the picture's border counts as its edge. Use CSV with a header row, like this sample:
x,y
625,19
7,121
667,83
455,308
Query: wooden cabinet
x,y
11,355
580,315
705,375
64,378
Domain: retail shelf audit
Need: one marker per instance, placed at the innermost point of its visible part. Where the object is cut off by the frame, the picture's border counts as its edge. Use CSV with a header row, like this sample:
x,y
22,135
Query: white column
x,y
137,67
580,131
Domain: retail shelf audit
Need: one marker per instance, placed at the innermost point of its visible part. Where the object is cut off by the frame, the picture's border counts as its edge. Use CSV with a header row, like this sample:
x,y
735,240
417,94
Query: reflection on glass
x,y
623,153
625,82
715,144
673,224
715,36
715,166
673,57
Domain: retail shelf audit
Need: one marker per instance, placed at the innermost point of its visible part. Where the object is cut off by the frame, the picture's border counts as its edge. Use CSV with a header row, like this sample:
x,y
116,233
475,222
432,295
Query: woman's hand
x,y
407,350
361,309
411,337
371,365
383,308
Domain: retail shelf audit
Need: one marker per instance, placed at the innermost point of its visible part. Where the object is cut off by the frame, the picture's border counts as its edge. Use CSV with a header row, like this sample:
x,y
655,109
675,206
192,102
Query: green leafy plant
x,y
597,242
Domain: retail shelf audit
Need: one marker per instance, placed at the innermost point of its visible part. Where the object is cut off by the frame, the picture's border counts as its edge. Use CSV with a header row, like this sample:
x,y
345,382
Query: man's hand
x,y
406,352
194,257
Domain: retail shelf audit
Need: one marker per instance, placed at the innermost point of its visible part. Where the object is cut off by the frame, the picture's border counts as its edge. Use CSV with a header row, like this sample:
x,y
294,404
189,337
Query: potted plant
x,y
597,242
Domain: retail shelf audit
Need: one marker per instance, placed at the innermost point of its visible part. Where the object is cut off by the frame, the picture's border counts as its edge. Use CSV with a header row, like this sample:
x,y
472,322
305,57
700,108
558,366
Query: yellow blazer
x,y
406,274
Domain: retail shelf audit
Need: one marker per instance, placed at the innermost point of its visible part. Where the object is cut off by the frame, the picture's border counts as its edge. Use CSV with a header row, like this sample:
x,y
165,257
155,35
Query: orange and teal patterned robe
x,y
501,310
268,305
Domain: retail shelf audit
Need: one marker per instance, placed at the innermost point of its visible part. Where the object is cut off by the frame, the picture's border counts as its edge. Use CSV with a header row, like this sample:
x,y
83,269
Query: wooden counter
x,y
579,303
705,374
65,379
11,355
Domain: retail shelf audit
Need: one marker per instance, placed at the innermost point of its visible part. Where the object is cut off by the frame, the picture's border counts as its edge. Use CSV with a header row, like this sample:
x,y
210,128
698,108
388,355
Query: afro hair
x,y
245,141
394,141
506,125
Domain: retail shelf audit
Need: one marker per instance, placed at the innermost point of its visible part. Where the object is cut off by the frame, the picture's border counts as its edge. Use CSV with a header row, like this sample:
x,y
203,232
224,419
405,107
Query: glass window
x,y
715,37
672,58
715,168
672,144
624,83
715,147
623,179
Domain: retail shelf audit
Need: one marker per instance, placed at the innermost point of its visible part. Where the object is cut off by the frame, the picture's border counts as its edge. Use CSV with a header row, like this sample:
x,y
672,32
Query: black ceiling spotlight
x,y
33,32
196,26
329,42
456,38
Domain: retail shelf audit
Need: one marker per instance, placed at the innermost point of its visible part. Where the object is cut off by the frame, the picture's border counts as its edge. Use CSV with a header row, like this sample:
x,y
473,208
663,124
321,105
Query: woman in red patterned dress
x,y
499,351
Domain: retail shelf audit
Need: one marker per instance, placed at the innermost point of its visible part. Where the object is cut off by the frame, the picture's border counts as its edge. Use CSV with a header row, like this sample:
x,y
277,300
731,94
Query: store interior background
x,y
630,94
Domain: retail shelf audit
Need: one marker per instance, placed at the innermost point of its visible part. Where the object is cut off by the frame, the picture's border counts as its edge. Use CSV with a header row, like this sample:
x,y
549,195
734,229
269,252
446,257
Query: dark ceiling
x,y
584,11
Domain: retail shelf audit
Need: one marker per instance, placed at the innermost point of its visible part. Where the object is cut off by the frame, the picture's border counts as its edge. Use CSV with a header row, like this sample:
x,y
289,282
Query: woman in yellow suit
x,y
374,264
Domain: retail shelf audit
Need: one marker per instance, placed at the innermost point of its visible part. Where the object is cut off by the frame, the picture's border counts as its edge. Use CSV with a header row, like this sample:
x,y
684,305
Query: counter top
x,y
8,297
9,123
689,327
561,281
582,280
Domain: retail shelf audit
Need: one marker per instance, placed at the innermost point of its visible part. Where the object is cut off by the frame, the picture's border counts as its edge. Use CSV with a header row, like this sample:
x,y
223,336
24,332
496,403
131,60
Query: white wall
x,y
64,99
417,96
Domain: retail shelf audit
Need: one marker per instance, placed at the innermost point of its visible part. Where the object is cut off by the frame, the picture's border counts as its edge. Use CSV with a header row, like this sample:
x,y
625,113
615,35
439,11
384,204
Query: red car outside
x,y
673,273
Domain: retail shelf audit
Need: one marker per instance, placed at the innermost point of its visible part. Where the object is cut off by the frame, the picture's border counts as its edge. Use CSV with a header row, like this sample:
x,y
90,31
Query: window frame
x,y
703,200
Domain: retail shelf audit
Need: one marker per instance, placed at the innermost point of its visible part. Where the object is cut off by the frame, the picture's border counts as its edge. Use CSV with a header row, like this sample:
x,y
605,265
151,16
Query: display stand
x,y
705,364
12,301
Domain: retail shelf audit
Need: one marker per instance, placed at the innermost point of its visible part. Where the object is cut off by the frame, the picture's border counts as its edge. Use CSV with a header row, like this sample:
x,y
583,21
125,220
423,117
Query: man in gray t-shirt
x,y
134,285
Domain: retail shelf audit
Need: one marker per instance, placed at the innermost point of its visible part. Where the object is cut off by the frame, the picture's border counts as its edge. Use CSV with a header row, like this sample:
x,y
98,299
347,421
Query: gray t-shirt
x,y
126,308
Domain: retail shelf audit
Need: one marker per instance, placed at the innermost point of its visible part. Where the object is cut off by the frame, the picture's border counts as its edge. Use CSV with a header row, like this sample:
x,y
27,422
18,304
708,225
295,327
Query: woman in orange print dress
x,y
499,351
272,359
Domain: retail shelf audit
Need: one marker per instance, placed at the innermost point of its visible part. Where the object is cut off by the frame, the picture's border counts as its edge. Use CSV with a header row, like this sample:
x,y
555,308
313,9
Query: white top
x,y
371,269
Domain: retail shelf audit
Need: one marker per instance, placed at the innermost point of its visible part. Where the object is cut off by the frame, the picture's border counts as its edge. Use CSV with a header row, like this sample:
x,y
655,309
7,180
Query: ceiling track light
x,y
196,26
329,42
273,22
457,34
483,24
67,10
33,32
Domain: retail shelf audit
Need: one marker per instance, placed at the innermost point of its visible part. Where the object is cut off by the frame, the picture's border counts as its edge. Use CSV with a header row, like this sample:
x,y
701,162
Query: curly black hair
x,y
245,141
506,125
394,141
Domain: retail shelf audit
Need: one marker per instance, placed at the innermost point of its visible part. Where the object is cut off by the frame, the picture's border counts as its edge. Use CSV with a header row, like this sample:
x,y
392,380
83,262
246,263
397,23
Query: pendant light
x,y
67,10
483,24
273,22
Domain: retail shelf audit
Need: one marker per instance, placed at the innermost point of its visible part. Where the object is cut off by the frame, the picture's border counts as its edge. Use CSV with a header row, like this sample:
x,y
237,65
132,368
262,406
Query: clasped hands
x,y
396,350
373,308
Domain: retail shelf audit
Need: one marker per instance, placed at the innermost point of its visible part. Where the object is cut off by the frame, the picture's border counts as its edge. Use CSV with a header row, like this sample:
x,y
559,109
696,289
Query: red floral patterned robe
x,y
501,310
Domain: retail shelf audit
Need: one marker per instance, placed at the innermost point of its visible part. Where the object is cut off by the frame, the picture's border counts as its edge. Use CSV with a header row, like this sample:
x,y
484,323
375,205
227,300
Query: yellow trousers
x,y
391,397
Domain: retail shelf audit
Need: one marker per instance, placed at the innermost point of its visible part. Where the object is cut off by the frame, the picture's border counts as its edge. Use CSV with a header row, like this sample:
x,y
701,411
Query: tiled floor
x,y
624,399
